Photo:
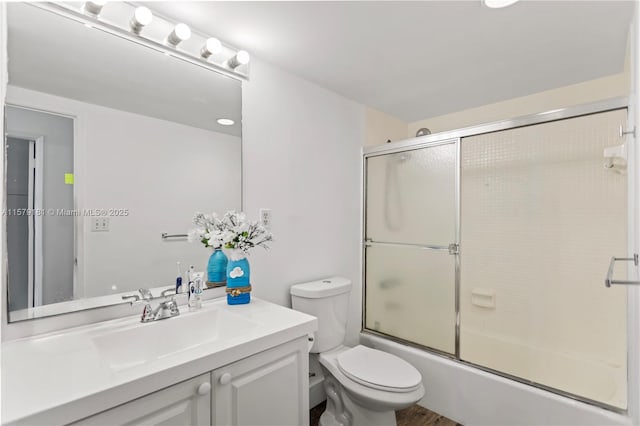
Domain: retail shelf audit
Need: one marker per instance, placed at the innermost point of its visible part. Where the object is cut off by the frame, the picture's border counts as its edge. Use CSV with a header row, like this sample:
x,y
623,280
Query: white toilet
x,y
364,386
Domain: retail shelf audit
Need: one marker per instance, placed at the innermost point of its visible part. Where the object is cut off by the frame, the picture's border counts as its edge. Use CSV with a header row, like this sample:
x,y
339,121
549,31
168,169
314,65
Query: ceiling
x,y
101,69
416,60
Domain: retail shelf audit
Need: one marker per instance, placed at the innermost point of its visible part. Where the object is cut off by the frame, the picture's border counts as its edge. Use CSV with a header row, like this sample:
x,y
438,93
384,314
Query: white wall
x,y
161,172
382,127
576,94
301,154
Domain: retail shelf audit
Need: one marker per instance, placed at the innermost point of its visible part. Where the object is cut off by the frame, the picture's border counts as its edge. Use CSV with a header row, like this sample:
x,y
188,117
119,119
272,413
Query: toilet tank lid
x,y
321,288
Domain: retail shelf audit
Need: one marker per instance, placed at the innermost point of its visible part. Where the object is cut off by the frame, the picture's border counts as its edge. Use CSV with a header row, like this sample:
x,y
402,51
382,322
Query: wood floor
x,y
412,416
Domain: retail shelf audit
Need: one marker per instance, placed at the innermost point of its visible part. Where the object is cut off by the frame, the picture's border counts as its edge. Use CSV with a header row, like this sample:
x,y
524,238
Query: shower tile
x,y
541,218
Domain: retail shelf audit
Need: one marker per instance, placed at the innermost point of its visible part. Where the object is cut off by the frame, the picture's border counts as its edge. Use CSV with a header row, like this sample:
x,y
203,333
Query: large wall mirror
x,y
109,145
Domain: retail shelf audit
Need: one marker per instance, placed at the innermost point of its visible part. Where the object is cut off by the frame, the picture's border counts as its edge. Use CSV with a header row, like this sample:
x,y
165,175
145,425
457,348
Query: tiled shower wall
x,y
541,218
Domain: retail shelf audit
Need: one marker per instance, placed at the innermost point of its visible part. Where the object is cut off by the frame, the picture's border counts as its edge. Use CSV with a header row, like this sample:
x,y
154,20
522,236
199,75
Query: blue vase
x,y
217,269
238,279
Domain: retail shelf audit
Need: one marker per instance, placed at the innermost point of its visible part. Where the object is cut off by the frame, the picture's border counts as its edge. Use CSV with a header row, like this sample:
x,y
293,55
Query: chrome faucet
x,y
166,308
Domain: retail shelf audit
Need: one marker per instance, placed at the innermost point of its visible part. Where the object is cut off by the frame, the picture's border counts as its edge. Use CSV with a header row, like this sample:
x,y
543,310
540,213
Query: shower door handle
x,y
609,281
451,248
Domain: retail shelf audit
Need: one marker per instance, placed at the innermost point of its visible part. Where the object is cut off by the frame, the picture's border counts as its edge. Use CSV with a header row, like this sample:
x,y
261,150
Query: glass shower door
x,y
411,245
541,216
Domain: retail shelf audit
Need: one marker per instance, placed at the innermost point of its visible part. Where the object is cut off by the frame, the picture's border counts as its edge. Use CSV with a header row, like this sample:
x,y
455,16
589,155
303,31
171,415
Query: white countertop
x,y
61,377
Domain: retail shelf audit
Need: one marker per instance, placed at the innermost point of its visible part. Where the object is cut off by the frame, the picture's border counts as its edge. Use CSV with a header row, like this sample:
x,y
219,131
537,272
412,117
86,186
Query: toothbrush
x,y
190,289
179,280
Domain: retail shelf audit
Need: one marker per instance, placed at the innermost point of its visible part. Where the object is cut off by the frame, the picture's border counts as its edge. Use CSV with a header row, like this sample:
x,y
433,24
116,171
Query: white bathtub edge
x,y
474,397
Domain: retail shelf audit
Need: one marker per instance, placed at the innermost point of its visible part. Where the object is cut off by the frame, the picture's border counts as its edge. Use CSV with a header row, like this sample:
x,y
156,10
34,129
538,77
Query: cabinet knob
x,y
204,388
225,379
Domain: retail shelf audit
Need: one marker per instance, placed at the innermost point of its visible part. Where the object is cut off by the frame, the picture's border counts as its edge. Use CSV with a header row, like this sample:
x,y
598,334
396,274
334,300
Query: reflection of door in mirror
x,y
39,237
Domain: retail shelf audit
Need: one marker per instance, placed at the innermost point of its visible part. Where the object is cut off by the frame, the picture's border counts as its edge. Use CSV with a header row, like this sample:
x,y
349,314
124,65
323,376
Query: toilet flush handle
x,y
225,379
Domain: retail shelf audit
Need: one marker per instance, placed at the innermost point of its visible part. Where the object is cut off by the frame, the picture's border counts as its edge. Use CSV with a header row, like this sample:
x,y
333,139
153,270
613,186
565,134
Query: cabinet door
x,y
187,403
271,388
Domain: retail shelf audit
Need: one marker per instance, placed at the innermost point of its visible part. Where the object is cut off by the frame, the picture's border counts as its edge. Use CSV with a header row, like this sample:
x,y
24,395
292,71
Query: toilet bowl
x,y
364,386
369,386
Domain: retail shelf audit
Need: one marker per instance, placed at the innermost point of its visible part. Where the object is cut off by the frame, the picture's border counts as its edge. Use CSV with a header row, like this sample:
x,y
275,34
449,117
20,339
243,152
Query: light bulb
x,y
497,4
226,121
180,33
94,7
240,58
211,47
141,18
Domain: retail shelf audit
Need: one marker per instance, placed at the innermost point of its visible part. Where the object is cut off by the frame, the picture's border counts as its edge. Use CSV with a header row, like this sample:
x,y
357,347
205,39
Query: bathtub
x,y
472,396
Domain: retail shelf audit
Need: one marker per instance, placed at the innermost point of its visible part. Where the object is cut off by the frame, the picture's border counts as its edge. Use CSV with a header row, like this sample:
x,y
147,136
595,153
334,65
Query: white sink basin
x,y
145,342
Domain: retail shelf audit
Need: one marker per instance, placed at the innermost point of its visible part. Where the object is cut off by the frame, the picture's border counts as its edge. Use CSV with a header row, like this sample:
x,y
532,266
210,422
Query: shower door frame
x,y
373,152
455,136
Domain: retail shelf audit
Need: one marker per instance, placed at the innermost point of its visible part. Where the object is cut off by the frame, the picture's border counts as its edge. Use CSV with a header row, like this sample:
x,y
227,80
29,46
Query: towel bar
x,y
166,236
608,281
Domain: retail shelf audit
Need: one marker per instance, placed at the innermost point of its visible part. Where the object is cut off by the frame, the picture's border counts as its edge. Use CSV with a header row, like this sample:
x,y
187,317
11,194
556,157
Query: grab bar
x,y
165,235
608,281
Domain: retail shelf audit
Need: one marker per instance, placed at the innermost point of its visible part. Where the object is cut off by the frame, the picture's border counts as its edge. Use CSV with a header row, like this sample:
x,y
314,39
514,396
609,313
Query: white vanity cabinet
x,y
269,388
186,403
222,365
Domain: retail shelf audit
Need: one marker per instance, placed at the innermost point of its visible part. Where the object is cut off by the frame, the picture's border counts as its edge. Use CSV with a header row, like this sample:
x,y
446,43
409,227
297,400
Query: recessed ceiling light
x,y
226,121
497,4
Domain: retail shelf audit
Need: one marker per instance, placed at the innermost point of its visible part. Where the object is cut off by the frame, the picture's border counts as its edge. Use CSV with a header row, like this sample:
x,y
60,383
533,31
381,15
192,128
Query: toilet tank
x,y
327,300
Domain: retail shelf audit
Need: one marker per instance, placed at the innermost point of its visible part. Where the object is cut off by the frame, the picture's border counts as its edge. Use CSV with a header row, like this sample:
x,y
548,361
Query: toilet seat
x,y
378,370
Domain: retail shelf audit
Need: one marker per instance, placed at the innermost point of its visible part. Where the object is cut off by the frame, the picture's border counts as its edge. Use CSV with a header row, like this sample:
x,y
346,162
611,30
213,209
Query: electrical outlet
x,y
99,224
265,218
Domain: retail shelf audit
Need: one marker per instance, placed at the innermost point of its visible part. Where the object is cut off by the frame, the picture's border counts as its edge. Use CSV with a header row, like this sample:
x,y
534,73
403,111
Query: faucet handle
x,y
168,292
147,314
172,305
145,293
135,298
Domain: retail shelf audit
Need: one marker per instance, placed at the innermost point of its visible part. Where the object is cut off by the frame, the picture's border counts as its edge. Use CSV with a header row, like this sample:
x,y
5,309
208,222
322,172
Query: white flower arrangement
x,y
209,230
233,231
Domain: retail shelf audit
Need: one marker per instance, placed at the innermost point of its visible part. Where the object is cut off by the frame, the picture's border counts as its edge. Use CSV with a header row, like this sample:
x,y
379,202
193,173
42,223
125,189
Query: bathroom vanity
x,y
215,366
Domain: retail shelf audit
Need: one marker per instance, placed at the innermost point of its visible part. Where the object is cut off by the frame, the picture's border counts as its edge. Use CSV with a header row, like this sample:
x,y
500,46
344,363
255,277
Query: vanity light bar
x,y
241,58
142,17
180,33
211,47
132,24
94,7
498,4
